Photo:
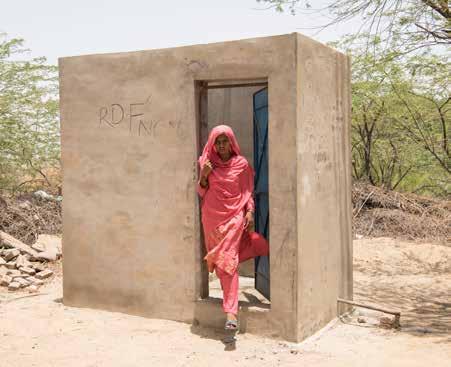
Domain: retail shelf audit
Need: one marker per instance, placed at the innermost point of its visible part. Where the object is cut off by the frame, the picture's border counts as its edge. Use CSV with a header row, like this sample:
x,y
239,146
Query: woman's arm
x,y
202,184
250,205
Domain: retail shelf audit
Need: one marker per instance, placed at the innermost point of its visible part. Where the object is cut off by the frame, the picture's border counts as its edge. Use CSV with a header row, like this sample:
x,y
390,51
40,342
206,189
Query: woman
x,y
226,184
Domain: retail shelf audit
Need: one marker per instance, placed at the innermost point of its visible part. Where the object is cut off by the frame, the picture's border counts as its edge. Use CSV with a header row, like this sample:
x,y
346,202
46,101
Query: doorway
x,y
243,105
261,189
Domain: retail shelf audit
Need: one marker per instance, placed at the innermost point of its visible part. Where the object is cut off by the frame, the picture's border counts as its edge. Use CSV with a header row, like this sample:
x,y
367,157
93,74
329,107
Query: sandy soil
x,y
416,278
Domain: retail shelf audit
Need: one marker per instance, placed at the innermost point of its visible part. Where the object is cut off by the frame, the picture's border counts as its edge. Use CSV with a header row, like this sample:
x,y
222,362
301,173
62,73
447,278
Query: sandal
x,y
231,325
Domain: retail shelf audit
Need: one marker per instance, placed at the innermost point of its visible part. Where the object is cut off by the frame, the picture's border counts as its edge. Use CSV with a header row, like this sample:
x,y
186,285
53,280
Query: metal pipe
x,y
394,313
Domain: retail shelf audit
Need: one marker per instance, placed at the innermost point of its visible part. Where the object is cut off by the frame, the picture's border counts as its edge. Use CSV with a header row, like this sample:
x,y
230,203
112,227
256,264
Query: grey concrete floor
x,y
247,291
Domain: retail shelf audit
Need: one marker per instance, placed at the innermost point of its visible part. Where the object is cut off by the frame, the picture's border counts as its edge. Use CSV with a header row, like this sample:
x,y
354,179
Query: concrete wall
x,y
130,142
324,184
129,151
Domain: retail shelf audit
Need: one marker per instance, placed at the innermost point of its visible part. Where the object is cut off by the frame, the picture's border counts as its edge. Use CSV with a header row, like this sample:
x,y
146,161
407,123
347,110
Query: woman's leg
x,y
253,244
229,284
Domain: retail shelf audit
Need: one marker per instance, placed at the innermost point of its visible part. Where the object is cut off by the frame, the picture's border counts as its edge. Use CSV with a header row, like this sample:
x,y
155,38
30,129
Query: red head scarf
x,y
236,162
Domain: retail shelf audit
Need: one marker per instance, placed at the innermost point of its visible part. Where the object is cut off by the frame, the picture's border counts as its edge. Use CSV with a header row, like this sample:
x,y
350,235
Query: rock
x,y
17,276
44,274
21,262
32,289
23,283
37,282
49,243
49,255
2,261
11,265
3,270
38,266
386,322
10,241
25,205
13,286
41,194
45,196
28,271
5,280
11,254
38,247
361,320
13,272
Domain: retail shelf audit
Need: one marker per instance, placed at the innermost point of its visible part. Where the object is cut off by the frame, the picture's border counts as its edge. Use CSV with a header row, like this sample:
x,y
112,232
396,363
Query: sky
x,y
57,28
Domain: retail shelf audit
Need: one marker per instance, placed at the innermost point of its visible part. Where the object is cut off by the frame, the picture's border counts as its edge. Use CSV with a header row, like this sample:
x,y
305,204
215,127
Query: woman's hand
x,y
249,223
206,170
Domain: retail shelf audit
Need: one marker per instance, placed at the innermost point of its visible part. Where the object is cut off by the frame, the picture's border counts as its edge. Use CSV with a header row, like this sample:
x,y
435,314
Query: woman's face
x,y
222,145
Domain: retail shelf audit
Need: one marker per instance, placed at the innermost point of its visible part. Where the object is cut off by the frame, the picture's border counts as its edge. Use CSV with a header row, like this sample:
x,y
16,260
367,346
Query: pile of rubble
x,y
26,267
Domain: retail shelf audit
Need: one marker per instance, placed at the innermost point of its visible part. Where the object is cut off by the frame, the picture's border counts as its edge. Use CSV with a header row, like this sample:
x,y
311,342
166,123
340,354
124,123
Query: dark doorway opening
x,y
243,105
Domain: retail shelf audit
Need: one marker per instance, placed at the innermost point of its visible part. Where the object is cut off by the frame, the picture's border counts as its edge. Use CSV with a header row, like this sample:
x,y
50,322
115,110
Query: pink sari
x,y
229,194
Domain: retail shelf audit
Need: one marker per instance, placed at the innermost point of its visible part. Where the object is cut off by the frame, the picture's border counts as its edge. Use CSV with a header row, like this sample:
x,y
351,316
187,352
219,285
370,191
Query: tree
x,y
29,123
405,25
400,120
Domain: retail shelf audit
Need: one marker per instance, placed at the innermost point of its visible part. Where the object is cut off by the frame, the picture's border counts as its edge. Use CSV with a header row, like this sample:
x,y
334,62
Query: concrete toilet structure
x,y
132,128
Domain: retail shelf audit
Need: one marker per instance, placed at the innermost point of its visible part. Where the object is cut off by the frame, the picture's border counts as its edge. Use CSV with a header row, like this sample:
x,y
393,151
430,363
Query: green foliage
x,y
29,122
403,25
400,123
400,89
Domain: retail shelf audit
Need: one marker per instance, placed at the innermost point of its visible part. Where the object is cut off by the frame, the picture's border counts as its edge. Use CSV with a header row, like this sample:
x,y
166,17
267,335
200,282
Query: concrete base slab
x,y
248,293
253,314
252,318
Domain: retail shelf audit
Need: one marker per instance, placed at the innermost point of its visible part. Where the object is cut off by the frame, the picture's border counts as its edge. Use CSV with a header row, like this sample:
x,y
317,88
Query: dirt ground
x,y
413,277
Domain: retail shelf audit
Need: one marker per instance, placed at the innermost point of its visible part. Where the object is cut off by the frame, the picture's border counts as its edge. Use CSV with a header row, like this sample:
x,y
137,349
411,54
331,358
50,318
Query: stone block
x,y
3,270
38,266
10,241
44,274
11,265
5,280
50,243
21,261
23,283
13,272
38,247
27,270
49,255
32,288
13,286
35,281
11,254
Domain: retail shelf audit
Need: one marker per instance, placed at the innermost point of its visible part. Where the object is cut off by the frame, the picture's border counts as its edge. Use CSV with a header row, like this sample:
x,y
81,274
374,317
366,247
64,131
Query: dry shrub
x,y
25,217
378,212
